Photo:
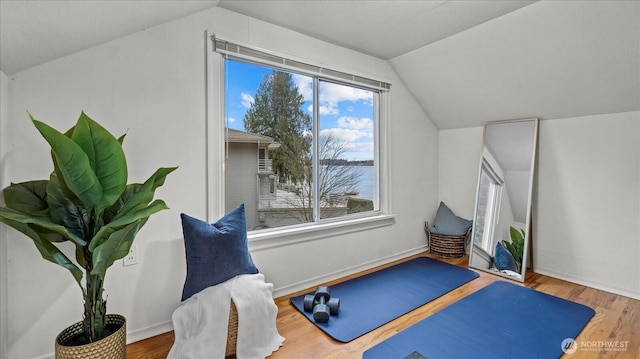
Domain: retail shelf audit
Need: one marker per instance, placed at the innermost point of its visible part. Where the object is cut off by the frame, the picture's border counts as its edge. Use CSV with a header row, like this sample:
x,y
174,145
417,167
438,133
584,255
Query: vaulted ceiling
x,y
465,62
38,31
384,29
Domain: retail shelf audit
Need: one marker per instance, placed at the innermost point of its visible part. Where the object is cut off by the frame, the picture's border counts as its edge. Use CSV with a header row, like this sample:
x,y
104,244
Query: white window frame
x,y
215,142
494,199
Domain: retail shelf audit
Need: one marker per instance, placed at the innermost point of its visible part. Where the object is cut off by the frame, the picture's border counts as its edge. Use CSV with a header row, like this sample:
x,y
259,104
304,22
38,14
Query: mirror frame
x,y
527,237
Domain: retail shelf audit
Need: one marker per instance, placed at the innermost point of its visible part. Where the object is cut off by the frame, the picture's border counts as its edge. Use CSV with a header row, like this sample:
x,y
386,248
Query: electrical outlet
x,y
131,258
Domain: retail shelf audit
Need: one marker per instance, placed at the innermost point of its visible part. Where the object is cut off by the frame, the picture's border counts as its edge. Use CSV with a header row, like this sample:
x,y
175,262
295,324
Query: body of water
x,y
366,185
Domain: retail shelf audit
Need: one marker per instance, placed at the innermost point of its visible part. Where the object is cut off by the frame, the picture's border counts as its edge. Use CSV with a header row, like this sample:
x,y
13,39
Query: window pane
x,y
268,145
271,146
484,189
347,172
489,191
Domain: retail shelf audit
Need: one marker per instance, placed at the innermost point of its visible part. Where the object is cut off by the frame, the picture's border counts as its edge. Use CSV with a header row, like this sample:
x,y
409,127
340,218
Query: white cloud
x,y
330,92
330,95
247,100
327,110
344,135
231,120
304,85
355,136
356,123
334,93
355,144
363,147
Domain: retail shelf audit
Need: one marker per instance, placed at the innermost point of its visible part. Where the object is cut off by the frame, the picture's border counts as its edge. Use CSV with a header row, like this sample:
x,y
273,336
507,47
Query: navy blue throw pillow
x,y
503,259
215,252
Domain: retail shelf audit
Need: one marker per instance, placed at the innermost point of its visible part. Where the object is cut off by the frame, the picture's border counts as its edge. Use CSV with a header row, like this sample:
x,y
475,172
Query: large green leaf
x,y
66,211
12,217
106,158
73,165
113,240
139,196
46,248
516,246
110,213
517,237
115,247
516,234
105,232
28,197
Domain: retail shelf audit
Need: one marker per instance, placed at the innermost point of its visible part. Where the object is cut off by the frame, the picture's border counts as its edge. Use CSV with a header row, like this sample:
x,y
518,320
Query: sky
x,y
346,113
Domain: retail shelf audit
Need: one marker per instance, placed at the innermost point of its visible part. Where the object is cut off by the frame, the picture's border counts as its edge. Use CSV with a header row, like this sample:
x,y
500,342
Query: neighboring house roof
x,y
235,136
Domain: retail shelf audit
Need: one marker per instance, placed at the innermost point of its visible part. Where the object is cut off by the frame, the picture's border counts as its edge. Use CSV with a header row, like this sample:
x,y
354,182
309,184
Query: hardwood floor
x,y
617,320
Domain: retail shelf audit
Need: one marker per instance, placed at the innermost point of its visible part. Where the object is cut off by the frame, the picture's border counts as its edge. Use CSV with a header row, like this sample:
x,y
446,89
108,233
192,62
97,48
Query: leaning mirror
x,y
502,219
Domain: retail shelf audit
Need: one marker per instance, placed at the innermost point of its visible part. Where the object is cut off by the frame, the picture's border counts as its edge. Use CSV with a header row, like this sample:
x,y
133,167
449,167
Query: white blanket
x,y
200,322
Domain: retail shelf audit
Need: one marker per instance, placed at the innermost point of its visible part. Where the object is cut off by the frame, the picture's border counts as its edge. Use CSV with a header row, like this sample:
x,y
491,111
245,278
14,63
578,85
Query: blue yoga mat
x,y
374,299
502,320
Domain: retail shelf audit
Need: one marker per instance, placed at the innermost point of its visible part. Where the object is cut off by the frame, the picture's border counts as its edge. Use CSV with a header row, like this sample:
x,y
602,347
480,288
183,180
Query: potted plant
x,y
86,201
516,246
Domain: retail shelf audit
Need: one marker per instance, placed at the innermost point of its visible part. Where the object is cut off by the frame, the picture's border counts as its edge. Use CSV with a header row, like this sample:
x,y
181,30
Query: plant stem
x,y
94,304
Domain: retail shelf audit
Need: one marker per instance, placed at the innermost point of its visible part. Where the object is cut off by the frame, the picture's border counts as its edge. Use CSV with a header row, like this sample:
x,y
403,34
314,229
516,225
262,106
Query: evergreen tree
x,y
277,112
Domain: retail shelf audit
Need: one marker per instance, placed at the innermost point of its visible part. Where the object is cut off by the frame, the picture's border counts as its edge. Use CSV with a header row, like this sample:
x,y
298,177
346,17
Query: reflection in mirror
x,y
502,217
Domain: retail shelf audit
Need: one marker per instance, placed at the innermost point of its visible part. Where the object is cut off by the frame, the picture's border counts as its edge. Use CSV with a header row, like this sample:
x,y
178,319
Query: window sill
x,y
277,238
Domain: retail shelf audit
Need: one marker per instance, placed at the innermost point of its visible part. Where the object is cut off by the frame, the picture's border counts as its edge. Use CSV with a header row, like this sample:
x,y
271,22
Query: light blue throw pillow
x,y
447,223
215,252
503,259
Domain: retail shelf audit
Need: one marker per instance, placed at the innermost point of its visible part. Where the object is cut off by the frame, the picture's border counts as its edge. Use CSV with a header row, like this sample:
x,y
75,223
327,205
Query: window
x,y
300,147
489,197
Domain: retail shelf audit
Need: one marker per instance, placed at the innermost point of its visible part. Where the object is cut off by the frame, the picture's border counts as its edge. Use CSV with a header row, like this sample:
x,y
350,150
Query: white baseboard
x,y
294,287
587,283
148,332
45,356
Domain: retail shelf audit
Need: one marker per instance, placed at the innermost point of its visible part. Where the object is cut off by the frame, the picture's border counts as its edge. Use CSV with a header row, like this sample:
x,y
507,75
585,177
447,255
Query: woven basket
x,y
232,331
112,347
447,246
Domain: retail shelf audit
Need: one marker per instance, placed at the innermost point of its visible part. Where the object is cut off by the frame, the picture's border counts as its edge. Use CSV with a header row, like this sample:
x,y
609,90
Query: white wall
x,y
459,154
587,214
4,110
152,86
586,218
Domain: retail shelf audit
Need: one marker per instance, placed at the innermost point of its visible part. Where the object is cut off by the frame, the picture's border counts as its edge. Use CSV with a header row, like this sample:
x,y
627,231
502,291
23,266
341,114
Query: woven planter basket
x,y
112,347
232,331
445,245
